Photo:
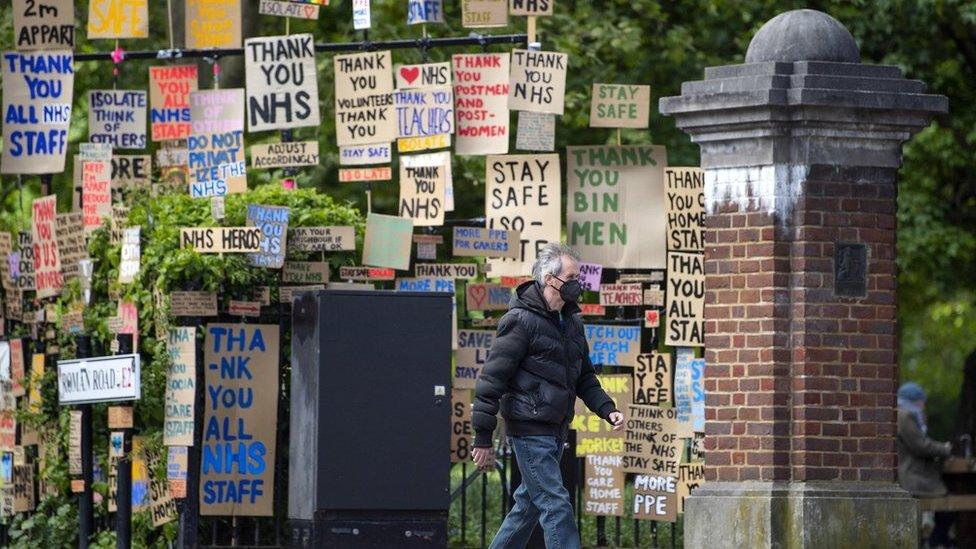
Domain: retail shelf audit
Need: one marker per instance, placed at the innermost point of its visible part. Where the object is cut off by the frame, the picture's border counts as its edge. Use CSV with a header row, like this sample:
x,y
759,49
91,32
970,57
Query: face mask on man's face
x,y
571,289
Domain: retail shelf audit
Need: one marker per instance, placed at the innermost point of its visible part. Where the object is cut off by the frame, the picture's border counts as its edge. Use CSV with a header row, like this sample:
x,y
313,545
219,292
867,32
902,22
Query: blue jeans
x,y
541,498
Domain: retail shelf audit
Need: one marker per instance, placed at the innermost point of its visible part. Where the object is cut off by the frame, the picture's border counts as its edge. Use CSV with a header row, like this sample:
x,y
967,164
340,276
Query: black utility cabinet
x,y
369,461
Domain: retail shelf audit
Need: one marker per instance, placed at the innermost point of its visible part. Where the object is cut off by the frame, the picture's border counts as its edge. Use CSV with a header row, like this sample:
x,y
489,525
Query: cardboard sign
x,y
697,447
425,285
689,394
685,193
354,175
273,222
652,318
131,252
363,155
620,106
465,271
651,444
305,272
461,431
424,112
387,242
169,101
176,468
69,231
427,75
530,7
652,379
364,98
99,379
45,25
523,194
360,15
131,171
214,240
37,92
656,497
613,345
481,242
288,9
481,87
592,309
593,434
287,293
213,24
472,352
538,81
74,442
322,239
285,155
603,494
282,86
487,297
162,508
685,300
654,297
17,367
47,262
118,19
440,159
366,273
615,205
621,295
425,11
690,476
241,416
590,275
117,118
23,486
423,143
422,195
536,131
120,417
193,304
244,308
479,14
181,382
216,143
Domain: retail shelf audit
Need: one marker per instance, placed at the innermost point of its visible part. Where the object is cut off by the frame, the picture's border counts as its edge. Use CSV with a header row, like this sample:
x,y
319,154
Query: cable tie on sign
x,y
172,53
481,40
423,44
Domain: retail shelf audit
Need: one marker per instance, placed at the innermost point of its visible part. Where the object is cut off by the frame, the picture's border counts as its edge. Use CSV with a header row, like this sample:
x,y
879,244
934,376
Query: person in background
x,y
538,364
920,457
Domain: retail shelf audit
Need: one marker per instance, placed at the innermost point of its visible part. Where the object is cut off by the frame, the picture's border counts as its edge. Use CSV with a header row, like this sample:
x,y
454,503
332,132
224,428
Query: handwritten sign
x,y
322,239
621,295
44,25
424,112
176,469
614,208
288,9
17,368
652,379
282,87
620,106
613,345
603,494
446,270
213,24
426,75
593,434
37,92
361,19
131,252
118,19
366,273
285,155
100,379
273,222
193,304
240,419
169,101
530,7
440,159
685,193
425,11
487,297
305,272
237,307
651,444
523,194
538,81
387,242
422,195
48,280
480,242
120,417
222,239
287,294
654,297
364,98
590,275
353,175
481,88
690,476
461,431
23,473
685,300
362,155
536,131
131,171
162,508
656,497
216,144
478,14
689,395
181,382
472,352
117,118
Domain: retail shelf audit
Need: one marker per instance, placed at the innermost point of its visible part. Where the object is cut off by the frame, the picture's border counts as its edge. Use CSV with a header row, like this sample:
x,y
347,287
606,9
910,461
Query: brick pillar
x,y
800,147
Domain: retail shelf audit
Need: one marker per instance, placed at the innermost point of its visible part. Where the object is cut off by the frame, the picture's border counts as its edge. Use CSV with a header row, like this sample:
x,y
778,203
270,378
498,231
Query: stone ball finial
x,y
803,35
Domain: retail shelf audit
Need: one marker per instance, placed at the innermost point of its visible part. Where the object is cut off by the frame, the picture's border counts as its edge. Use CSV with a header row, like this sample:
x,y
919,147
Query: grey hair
x,y
549,260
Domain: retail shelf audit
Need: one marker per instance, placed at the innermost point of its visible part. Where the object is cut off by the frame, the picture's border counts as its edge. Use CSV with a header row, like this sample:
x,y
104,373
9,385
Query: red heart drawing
x,y
477,293
310,11
410,74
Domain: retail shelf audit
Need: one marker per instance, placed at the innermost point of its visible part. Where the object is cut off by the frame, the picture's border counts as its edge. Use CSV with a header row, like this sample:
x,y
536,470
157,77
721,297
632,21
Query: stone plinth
x,y
800,147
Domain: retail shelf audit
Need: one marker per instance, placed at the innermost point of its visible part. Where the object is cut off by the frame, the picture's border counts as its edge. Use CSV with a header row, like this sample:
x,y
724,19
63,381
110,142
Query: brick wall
x,y
800,384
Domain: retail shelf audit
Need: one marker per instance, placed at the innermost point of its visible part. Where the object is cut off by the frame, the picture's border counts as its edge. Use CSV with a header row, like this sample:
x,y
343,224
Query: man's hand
x,y
617,419
484,458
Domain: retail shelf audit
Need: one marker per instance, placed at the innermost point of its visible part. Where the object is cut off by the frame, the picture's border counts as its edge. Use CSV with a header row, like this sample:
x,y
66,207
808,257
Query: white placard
x,y
99,379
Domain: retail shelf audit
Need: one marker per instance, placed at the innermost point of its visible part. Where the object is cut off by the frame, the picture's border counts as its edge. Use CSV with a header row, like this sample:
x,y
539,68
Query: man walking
x,y
538,364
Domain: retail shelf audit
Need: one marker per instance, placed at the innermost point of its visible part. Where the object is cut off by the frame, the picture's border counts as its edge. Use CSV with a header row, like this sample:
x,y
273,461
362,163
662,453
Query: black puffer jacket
x,y
535,370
